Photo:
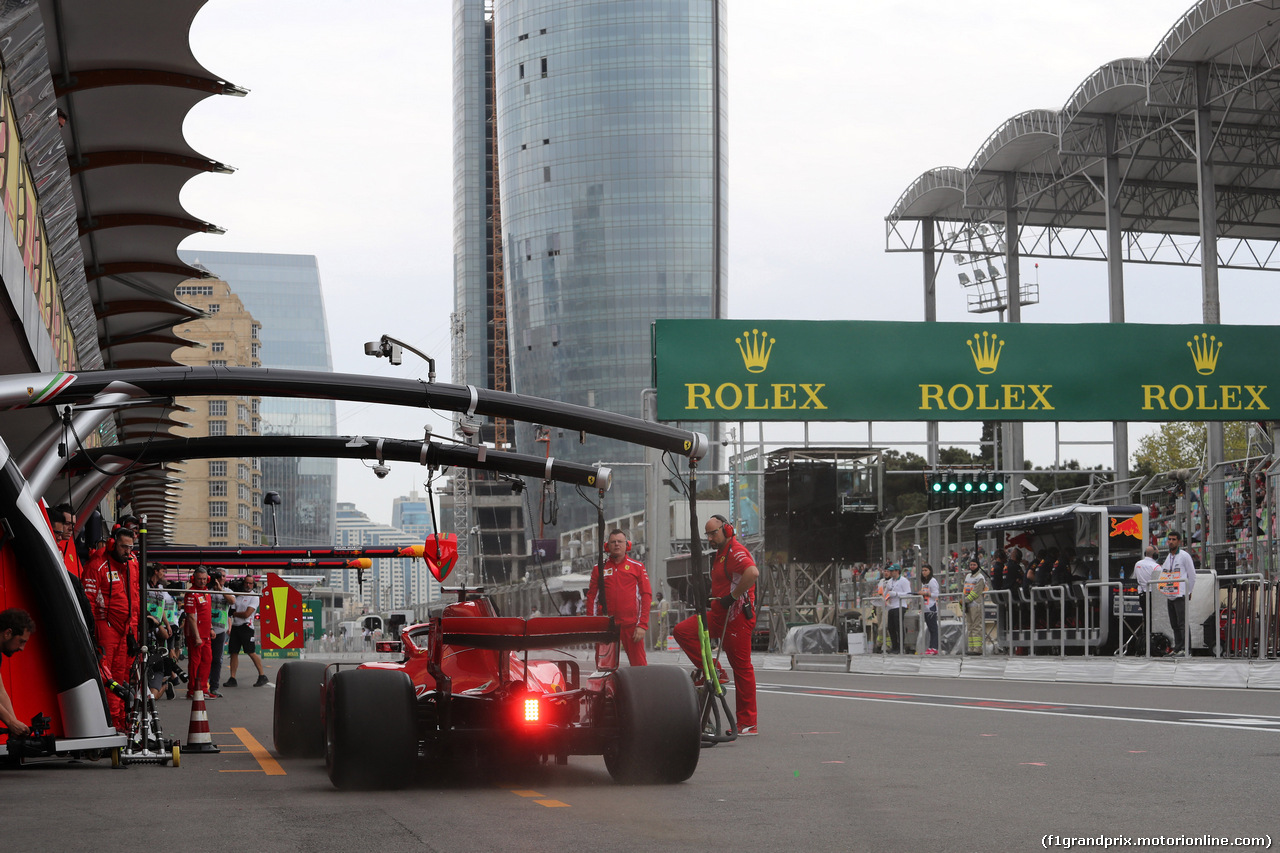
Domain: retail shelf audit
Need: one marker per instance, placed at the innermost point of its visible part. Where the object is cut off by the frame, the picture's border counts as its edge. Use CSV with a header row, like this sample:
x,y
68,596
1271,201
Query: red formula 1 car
x,y
469,688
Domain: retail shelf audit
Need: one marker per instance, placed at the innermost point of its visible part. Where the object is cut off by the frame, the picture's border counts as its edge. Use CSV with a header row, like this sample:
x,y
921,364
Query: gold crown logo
x,y
1204,352
755,351
985,349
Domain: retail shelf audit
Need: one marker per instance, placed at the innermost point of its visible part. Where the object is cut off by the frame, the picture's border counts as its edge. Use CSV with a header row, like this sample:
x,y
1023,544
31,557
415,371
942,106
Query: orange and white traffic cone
x,y
198,738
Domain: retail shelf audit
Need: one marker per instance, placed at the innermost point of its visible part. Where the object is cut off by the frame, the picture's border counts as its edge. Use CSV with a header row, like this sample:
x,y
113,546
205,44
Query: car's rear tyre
x,y
298,726
370,736
658,737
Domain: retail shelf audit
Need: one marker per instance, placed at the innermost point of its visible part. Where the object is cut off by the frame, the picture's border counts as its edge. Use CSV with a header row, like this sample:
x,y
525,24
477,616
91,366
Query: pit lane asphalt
x,y
845,762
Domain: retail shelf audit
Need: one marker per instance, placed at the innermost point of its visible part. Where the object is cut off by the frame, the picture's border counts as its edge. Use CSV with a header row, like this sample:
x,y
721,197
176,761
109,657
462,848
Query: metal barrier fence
x,y
1242,622
1248,617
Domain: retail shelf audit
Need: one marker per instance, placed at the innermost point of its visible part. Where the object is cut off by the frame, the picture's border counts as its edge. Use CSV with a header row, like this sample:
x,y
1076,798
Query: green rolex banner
x,y
815,370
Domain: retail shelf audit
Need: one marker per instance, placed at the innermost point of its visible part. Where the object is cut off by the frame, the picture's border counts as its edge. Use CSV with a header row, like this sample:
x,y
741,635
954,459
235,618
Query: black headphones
x,y
724,525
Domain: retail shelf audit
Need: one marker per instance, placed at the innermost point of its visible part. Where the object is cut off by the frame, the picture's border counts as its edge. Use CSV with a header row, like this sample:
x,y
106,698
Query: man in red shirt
x,y
111,583
627,595
198,602
733,580
64,527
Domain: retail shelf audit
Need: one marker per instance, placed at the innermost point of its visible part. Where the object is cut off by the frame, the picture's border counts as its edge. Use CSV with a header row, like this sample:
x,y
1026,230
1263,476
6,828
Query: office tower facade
x,y
391,583
607,121
221,499
412,514
284,294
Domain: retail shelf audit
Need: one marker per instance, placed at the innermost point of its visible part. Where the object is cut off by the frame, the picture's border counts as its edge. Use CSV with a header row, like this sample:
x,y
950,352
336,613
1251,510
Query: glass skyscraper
x,y
283,293
609,122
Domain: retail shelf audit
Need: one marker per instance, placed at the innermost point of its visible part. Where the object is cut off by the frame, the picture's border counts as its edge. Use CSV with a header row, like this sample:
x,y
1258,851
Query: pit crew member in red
x,y
111,584
198,602
627,595
733,580
62,520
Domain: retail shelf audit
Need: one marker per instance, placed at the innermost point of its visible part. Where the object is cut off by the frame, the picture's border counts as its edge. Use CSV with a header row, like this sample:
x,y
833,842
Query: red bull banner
x,y
835,370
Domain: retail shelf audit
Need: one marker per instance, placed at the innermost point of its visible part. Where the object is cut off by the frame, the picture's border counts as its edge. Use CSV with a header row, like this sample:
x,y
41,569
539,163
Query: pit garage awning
x,y
101,91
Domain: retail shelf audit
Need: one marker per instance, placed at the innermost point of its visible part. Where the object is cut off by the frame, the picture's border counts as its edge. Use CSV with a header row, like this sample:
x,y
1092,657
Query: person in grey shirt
x,y
1177,579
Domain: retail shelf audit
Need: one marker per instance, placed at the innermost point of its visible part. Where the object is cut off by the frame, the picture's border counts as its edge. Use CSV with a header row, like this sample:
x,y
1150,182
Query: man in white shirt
x,y
1177,579
895,587
242,632
1143,572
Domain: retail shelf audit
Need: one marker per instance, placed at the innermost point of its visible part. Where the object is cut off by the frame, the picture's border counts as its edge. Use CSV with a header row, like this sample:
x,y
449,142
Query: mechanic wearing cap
x,y
627,596
15,629
198,603
111,583
733,580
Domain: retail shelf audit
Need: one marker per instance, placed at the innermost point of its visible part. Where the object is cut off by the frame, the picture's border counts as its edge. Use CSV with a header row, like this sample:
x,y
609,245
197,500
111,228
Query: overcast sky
x,y
344,151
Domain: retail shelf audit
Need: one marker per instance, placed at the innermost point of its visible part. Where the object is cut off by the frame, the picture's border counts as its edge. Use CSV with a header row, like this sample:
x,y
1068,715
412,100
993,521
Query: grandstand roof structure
x,y
1118,171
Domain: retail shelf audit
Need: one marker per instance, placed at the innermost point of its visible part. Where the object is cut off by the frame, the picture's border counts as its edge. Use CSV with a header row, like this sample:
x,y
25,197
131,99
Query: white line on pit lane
x,y
1255,724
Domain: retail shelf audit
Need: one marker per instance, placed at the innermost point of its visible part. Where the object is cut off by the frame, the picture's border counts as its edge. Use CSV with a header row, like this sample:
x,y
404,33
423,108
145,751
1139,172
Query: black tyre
x,y
370,737
298,726
658,733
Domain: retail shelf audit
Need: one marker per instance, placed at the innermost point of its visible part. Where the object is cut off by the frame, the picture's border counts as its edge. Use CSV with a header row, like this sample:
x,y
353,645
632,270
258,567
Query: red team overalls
x,y
112,589
199,606
627,595
726,570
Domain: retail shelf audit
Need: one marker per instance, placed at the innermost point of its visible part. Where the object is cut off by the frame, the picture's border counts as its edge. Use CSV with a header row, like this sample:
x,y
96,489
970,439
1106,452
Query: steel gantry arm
x,y
48,389
431,453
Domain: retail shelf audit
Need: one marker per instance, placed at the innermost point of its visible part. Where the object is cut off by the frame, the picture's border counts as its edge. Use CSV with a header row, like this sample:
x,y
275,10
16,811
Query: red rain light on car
x,y
531,710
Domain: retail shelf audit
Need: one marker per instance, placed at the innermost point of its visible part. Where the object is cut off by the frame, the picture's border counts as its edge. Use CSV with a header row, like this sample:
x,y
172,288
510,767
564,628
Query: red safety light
x,y
532,710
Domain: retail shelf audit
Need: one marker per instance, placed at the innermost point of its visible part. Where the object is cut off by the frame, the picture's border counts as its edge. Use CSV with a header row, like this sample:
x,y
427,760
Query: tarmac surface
x,y
845,761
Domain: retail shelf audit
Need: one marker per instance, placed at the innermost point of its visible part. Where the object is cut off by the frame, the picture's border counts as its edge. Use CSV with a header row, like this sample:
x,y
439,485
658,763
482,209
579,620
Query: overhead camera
x,y
468,427
386,348
381,471
1028,487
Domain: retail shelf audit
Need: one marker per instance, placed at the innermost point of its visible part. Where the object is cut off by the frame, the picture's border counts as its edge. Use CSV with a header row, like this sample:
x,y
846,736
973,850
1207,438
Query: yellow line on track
x,y
269,765
541,799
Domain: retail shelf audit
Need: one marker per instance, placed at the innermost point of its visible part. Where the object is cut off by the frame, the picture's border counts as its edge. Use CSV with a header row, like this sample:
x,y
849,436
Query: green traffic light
x,y
951,487
982,487
968,487
999,485
937,487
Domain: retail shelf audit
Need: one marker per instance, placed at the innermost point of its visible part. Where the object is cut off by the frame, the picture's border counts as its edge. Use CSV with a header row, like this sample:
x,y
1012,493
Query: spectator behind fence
x,y
1177,580
897,587
929,606
975,584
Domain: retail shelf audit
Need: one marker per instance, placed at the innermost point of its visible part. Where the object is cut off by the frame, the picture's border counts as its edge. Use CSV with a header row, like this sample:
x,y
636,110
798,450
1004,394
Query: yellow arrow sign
x,y
280,597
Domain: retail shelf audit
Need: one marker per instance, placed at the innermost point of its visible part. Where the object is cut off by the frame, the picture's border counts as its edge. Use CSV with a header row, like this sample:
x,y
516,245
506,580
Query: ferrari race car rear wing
x,y
512,633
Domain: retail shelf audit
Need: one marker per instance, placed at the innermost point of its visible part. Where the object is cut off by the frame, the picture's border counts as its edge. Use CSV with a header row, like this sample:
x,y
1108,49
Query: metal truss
x,y
799,592
1059,186
1089,244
